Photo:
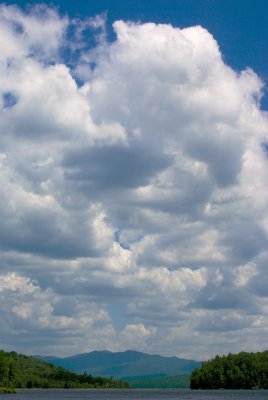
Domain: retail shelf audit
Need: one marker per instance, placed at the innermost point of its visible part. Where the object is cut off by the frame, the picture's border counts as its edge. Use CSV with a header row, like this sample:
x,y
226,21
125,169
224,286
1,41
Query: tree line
x,y
233,371
20,371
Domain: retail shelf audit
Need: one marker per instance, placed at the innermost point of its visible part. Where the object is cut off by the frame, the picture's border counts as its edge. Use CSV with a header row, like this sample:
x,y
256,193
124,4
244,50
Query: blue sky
x,y
240,26
133,168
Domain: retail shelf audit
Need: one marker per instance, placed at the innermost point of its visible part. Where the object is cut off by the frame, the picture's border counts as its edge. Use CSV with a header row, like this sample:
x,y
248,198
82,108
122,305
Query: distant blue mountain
x,y
127,364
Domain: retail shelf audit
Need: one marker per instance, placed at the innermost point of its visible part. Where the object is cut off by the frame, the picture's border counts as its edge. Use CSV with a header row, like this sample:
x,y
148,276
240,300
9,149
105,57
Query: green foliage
x,y
234,371
181,381
7,390
20,371
6,370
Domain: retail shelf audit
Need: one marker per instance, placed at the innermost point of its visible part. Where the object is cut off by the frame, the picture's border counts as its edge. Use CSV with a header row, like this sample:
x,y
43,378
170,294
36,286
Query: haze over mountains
x,y
127,364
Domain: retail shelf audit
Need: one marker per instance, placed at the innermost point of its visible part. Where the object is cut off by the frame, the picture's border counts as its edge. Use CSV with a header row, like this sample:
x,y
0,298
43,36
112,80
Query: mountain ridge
x,y
129,363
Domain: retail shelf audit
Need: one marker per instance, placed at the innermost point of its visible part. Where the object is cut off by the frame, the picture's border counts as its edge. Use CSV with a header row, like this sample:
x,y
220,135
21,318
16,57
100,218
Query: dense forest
x,y
234,371
20,371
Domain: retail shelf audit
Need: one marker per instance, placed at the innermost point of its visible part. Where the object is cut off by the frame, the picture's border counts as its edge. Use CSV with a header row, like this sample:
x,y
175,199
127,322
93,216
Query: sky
x,y
133,172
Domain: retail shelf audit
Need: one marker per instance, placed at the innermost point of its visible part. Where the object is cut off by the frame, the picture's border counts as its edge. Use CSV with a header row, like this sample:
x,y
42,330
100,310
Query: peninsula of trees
x,y
20,371
234,371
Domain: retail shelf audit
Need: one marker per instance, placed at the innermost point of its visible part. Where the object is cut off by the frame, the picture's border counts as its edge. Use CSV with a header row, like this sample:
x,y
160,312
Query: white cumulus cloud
x,y
139,187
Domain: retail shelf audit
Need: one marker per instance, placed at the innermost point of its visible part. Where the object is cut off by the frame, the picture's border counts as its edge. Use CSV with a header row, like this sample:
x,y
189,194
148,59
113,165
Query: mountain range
x,y
124,365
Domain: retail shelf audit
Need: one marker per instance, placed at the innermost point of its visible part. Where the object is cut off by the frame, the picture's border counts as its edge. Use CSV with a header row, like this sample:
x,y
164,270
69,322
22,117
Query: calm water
x,y
137,394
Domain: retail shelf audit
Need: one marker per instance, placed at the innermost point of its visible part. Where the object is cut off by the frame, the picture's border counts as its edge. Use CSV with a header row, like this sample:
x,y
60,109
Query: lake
x,y
136,394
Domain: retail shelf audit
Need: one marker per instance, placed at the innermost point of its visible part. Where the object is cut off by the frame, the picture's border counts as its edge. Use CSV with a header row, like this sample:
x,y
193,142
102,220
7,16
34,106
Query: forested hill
x,y
126,364
234,371
20,371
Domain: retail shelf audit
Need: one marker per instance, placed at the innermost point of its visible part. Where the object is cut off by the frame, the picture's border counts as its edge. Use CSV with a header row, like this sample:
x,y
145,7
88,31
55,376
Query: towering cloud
x,y
133,202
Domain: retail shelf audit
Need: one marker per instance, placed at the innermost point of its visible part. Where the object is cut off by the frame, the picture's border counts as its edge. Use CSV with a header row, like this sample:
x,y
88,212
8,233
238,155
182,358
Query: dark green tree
x,y
234,371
